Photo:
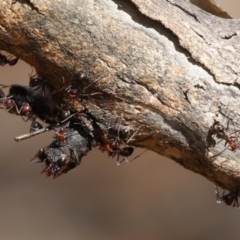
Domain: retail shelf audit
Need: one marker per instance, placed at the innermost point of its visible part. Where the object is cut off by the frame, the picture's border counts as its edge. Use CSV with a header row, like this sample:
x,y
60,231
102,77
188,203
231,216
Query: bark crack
x,y
29,3
186,11
130,8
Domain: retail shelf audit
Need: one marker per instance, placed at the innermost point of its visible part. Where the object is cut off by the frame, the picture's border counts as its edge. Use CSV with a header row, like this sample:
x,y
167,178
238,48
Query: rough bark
x,y
165,65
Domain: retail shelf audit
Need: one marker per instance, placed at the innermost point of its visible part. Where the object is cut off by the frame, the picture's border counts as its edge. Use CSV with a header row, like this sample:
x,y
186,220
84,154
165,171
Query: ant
x,y
118,145
219,130
73,88
4,60
60,134
230,198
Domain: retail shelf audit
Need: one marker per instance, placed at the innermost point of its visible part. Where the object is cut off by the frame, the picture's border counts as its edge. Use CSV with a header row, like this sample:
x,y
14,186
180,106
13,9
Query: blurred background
x,y
150,198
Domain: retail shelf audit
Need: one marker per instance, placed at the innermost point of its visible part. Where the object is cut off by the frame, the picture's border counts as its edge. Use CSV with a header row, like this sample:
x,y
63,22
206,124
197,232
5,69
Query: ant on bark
x,y
115,143
72,89
4,60
219,131
230,198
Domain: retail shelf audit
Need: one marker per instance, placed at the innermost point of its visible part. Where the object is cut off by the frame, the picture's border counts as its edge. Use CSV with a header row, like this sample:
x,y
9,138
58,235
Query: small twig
x,y
42,130
32,134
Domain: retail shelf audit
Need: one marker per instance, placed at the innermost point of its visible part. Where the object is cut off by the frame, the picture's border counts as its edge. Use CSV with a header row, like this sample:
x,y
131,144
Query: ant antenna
x,y
93,82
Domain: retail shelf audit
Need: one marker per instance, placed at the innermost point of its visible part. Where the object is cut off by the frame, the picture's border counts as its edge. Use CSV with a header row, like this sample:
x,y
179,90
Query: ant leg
x,y
69,117
133,135
138,155
10,108
16,107
93,83
218,154
237,203
125,158
219,199
118,163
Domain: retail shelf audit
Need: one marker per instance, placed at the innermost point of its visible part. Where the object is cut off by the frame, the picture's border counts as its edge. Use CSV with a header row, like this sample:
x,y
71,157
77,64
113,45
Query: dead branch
x,y
169,68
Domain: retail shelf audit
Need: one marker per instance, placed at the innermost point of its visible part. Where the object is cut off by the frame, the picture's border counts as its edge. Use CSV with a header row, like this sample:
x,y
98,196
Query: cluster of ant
x,y
76,133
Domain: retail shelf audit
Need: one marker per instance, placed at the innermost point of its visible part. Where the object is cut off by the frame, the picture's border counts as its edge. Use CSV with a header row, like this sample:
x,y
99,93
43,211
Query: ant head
x,y
9,103
2,95
25,109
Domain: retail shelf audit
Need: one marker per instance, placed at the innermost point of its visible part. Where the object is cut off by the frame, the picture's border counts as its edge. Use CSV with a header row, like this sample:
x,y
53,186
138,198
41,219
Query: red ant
x,y
230,198
73,88
61,133
219,130
4,60
118,146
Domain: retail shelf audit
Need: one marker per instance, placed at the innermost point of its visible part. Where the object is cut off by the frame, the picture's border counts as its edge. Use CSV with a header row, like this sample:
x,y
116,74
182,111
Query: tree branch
x,y
167,66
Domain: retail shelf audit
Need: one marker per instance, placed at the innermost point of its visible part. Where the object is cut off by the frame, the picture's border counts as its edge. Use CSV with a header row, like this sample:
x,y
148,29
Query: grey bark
x,y
166,66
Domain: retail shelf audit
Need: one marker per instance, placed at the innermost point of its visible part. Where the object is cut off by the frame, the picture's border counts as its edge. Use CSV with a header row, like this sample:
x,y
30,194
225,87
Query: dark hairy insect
x,y
16,100
31,102
230,198
4,60
39,86
36,100
20,104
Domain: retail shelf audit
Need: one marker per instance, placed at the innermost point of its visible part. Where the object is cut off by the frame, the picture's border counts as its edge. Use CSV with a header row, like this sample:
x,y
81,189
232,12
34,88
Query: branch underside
x,y
170,76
